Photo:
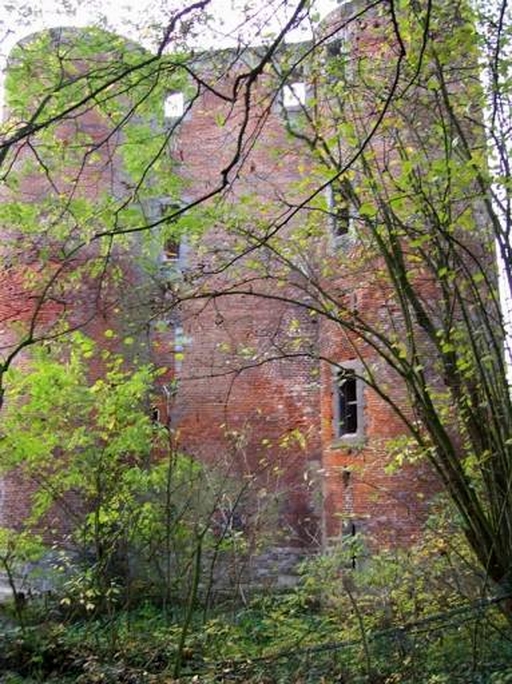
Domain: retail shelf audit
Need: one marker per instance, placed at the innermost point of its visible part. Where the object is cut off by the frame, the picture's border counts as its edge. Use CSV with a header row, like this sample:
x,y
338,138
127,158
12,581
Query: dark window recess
x,y
341,219
171,250
339,209
170,243
349,534
347,402
353,304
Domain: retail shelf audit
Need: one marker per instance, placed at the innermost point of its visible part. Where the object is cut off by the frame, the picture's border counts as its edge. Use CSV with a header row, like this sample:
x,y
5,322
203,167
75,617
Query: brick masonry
x,y
255,389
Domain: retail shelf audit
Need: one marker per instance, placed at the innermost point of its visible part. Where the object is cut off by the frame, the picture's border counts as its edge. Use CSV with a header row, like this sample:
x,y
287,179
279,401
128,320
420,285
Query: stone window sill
x,y
349,442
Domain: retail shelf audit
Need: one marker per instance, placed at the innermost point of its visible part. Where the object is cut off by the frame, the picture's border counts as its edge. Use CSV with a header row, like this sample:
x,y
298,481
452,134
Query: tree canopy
x,y
405,122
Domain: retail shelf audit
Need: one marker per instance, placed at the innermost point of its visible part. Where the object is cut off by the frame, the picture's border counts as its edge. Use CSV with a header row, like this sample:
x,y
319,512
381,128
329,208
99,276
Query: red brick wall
x,y
239,405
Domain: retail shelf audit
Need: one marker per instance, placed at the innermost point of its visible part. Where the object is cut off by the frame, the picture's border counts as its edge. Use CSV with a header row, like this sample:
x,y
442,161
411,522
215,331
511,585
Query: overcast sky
x,y
229,21
140,19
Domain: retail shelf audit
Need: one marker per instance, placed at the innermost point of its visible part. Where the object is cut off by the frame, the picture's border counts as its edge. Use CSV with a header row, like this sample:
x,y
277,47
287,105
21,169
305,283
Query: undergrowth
x,y
275,639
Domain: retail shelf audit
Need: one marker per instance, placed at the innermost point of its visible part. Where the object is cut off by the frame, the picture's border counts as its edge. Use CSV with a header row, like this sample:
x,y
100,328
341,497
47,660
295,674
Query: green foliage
x,y
418,611
76,432
402,131
92,103
426,228
81,441
142,519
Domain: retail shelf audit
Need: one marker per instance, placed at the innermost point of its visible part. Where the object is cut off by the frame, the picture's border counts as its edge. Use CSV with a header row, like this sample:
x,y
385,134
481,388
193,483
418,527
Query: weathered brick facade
x,y
254,390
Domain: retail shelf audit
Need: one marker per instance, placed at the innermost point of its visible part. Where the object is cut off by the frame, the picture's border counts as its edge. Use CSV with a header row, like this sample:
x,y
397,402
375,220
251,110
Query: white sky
x,y
141,19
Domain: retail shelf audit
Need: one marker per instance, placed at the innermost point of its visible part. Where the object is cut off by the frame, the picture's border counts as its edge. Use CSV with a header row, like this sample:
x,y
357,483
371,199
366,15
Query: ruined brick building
x,y
259,378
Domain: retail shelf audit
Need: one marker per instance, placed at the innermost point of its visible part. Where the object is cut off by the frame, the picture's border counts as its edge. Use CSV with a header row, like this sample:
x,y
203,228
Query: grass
x,y
276,639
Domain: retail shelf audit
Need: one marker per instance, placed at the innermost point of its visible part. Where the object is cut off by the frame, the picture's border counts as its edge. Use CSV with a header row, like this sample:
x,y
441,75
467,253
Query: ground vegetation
x,y
409,133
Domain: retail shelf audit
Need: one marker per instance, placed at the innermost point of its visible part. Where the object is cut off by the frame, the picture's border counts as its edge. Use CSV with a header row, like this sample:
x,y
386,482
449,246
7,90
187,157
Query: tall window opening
x,y
348,409
294,95
348,404
339,210
174,106
171,250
